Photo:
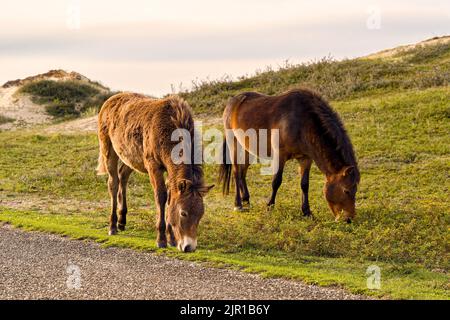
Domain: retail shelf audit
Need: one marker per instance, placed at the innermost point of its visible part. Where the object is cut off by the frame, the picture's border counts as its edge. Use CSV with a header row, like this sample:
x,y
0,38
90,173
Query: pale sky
x,y
147,46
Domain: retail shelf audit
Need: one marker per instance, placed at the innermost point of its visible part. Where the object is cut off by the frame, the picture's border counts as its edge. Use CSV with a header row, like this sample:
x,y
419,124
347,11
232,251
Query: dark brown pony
x,y
137,131
309,130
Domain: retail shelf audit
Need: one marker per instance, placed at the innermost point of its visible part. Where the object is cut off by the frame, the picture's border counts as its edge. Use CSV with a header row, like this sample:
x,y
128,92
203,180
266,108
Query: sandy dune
x,y
21,109
389,53
26,113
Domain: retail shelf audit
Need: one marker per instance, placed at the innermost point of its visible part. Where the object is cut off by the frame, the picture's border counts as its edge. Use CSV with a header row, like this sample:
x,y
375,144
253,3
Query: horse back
x,y
290,113
132,123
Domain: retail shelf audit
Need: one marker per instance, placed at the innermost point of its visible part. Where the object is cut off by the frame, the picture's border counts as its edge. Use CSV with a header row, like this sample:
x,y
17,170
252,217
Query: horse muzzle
x,y
187,244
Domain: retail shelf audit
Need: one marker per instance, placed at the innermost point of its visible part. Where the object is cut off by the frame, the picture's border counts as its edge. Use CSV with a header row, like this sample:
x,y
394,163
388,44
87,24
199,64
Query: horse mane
x,y
182,118
331,129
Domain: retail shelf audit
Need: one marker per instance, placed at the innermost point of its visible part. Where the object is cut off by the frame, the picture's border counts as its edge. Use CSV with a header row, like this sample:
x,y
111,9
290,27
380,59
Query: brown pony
x,y
137,131
309,130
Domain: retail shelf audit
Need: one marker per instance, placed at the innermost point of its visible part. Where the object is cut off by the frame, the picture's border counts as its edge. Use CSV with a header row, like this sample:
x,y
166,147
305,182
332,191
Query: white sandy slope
x,y
20,108
389,53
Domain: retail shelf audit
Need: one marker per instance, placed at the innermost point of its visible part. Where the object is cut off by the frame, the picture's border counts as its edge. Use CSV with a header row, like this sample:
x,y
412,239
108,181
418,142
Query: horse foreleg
x,y
172,240
305,166
160,193
276,183
124,174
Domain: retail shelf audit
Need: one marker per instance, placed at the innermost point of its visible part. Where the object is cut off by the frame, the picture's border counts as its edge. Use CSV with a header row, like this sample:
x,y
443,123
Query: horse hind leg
x,y
124,174
242,200
237,179
111,162
245,195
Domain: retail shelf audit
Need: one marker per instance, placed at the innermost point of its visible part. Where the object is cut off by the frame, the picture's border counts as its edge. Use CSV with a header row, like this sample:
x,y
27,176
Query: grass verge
x,y
397,281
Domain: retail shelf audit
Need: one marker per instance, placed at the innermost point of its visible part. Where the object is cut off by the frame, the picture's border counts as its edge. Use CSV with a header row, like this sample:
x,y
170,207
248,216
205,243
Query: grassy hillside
x,y
397,113
418,68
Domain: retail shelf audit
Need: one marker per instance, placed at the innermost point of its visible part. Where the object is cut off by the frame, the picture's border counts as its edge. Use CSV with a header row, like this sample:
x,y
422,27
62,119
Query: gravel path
x,y
41,266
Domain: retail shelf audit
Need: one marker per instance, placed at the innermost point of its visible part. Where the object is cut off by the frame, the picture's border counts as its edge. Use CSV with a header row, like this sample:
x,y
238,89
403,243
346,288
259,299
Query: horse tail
x,y
226,166
101,168
225,169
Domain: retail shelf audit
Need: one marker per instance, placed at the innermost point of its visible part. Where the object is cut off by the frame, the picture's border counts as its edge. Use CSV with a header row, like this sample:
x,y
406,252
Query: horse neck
x,y
327,161
180,172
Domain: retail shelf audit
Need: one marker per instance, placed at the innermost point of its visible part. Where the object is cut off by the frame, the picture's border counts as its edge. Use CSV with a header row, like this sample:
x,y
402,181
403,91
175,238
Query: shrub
x,y
62,109
4,119
66,98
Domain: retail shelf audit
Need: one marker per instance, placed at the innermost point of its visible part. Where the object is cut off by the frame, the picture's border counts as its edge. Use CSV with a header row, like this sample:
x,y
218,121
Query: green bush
x,y
62,109
4,119
65,91
66,98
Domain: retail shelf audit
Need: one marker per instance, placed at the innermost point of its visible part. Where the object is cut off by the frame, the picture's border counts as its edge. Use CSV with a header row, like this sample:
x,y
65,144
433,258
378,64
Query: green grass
x,y
66,98
401,139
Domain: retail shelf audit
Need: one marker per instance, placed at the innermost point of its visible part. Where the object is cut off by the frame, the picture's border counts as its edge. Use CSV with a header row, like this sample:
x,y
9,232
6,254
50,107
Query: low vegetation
x,y
4,119
66,98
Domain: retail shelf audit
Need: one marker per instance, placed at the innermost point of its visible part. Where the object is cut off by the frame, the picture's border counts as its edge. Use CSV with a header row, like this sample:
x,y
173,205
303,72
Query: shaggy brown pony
x,y
309,130
137,131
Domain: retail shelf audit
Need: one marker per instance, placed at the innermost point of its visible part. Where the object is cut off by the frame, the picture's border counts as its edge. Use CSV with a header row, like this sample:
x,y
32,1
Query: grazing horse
x,y
137,130
308,130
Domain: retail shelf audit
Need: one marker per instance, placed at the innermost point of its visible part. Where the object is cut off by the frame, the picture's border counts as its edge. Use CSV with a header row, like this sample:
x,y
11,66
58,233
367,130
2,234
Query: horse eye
x,y
347,191
183,213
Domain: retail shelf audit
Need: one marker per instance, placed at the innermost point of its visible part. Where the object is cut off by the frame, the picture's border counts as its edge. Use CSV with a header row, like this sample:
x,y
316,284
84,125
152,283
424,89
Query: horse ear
x,y
348,171
205,189
184,185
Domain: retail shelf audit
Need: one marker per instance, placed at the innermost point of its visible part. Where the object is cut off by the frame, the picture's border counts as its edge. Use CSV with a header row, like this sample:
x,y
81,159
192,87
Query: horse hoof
x,y
270,207
348,220
162,245
173,243
121,227
112,232
308,216
238,209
